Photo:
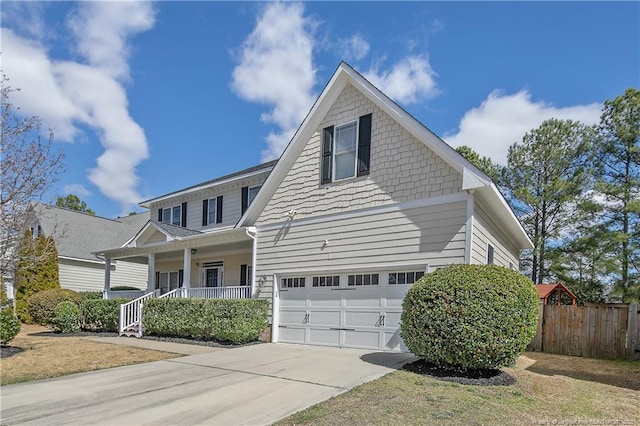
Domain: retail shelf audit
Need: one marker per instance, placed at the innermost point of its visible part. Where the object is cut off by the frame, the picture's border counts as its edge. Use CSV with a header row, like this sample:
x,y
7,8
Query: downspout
x,y
252,233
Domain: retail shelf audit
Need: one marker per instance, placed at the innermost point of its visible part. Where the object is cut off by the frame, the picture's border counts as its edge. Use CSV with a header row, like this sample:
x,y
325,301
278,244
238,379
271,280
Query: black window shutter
x,y
205,212
180,277
327,151
245,198
219,209
159,215
364,144
184,215
243,274
157,280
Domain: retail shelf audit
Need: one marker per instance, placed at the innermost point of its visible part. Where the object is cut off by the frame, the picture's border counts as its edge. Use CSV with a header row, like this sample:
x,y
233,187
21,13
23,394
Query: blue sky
x,y
146,98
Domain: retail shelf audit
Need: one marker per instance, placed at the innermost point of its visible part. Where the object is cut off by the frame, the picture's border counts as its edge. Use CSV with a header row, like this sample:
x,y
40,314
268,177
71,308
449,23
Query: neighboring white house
x,y
364,201
77,235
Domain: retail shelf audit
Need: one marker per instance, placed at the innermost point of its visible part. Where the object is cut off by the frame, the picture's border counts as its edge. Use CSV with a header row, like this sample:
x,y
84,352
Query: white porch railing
x,y
131,315
228,292
124,294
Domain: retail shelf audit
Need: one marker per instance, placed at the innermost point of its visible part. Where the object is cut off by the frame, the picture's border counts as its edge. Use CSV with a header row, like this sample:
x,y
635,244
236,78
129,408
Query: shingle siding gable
x,y
401,169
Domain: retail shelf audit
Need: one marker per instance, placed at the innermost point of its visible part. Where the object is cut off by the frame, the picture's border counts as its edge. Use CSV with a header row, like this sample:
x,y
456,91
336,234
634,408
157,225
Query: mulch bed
x,y
212,343
463,377
9,351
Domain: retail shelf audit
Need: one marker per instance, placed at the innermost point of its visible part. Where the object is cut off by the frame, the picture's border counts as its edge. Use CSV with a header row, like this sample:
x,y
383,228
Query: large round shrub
x,y
43,304
67,317
470,316
9,326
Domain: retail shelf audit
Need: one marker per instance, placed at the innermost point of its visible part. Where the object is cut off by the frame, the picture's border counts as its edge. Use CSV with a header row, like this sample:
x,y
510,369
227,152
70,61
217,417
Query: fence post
x,y
633,332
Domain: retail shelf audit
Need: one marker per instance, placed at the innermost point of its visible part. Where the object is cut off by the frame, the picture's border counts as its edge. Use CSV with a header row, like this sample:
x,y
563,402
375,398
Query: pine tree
x,y
618,184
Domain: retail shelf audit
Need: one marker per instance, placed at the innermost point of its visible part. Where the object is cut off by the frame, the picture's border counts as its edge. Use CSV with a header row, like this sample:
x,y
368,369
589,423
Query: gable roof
x,y
472,178
77,234
260,168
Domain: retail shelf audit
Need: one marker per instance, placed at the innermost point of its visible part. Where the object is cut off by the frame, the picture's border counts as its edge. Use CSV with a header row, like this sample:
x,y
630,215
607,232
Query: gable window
x,y
346,150
489,254
249,193
172,215
212,211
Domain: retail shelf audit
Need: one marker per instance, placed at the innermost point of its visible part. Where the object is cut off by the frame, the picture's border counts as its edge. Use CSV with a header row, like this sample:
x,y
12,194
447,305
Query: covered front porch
x,y
187,263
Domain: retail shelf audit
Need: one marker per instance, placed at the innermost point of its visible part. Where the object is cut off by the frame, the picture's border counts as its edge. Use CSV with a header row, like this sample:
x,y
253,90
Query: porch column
x,y
107,276
186,274
151,272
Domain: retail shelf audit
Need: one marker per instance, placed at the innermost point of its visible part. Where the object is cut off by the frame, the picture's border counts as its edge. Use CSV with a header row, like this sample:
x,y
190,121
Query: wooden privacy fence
x,y
609,331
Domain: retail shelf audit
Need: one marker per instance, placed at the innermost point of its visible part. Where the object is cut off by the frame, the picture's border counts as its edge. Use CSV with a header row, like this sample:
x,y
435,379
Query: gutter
x,y
252,233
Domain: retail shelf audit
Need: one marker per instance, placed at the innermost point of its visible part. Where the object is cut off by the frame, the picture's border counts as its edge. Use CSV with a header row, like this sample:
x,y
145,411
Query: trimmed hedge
x,y
225,320
100,314
9,326
91,295
124,288
43,304
470,316
67,317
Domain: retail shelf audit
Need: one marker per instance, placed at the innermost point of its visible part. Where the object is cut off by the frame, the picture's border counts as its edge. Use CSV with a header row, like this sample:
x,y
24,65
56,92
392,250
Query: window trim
x,y
490,254
249,199
212,201
355,151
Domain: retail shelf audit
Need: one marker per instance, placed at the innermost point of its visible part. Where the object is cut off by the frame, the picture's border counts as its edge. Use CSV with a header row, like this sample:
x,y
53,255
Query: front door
x,y
211,277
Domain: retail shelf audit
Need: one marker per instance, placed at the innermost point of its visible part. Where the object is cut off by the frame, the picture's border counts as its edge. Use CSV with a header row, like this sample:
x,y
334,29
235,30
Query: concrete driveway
x,y
256,384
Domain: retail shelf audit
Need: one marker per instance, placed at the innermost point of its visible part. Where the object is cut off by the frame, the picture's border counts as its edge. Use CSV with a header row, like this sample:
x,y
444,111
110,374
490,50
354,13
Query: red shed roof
x,y
545,290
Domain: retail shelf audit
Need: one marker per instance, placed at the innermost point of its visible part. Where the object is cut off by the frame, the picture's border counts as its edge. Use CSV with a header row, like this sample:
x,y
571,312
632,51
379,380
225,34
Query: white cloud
x,y
503,119
276,68
66,94
408,81
77,189
354,47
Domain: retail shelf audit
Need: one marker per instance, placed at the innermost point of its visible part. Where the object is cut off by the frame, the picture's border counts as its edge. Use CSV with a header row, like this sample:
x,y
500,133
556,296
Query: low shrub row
x,y
101,315
225,320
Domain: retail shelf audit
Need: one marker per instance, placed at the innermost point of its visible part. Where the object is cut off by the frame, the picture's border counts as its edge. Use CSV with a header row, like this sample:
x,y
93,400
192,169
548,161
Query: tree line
x,y
576,190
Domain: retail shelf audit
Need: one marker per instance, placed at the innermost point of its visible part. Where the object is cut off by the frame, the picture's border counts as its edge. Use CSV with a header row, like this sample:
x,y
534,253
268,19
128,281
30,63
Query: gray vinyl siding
x,y
485,232
433,235
231,206
77,275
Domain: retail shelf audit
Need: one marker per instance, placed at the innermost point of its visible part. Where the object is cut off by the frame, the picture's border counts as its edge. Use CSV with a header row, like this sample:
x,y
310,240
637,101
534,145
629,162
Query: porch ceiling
x,y
232,239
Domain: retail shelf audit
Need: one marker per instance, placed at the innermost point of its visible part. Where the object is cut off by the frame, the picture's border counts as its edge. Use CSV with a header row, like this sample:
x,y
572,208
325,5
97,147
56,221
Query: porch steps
x,y
132,330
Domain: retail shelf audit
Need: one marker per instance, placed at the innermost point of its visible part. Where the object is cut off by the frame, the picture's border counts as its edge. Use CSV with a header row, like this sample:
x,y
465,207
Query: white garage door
x,y
346,310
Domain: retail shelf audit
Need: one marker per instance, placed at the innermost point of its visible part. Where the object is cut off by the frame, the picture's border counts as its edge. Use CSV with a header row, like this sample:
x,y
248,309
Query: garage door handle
x,y
380,322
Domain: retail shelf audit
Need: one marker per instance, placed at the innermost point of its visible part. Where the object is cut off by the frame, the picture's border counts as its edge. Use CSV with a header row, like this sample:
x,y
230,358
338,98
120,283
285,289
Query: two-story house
x,y
363,202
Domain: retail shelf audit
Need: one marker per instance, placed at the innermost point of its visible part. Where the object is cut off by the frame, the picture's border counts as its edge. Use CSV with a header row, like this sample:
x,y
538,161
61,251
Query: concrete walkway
x,y
256,384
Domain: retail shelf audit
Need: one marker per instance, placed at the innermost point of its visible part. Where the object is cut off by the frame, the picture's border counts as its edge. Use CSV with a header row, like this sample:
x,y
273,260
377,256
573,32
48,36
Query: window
x,y
489,254
249,193
344,160
245,274
172,215
212,211
296,282
346,150
167,281
362,279
331,281
404,277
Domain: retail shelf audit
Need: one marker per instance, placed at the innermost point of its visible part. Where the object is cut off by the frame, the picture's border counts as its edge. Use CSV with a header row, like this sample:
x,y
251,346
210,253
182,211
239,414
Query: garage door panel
x,y
392,319
293,301
360,319
292,317
362,339
324,337
393,341
362,300
328,318
325,299
294,335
